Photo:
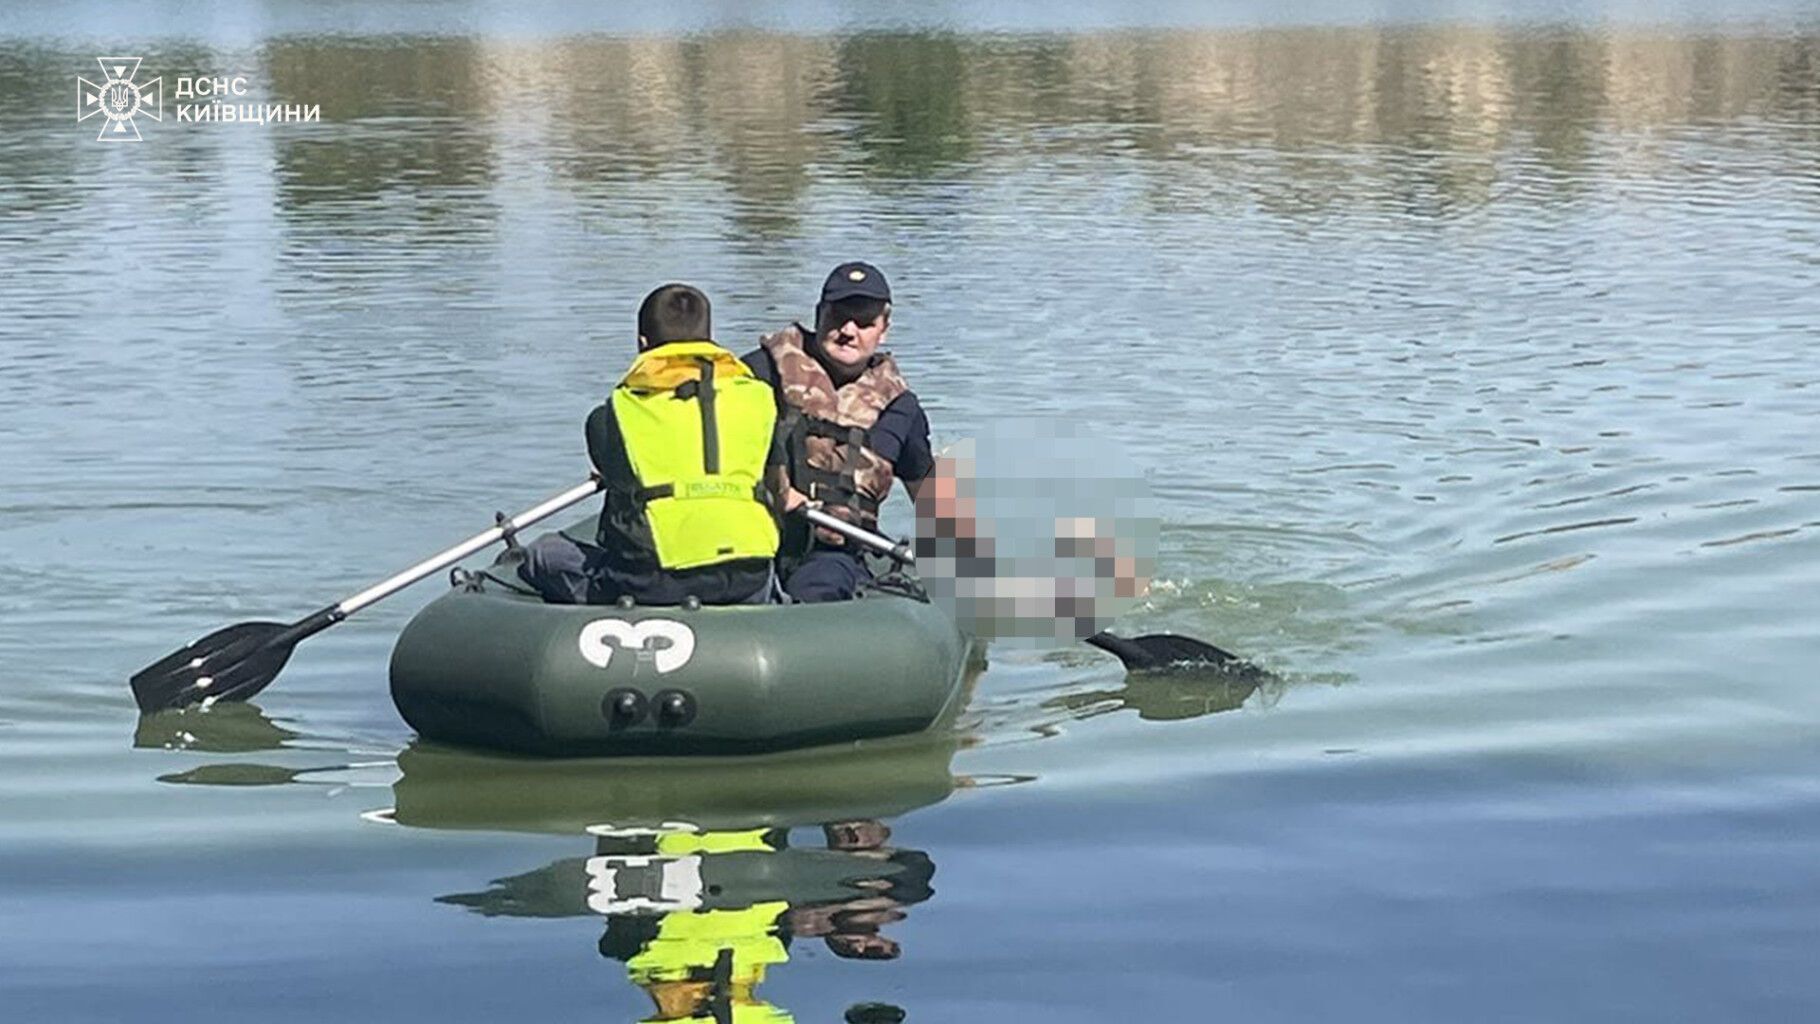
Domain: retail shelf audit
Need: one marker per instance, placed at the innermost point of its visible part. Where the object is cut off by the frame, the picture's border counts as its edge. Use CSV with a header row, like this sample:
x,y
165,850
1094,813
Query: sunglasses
x,y
861,312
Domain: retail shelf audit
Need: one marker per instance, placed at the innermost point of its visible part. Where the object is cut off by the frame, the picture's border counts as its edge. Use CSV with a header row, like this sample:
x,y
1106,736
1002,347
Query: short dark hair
x,y
675,312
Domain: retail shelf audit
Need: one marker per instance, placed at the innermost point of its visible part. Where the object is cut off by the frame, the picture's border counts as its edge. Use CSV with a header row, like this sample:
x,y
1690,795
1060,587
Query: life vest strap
x,y
702,489
831,488
837,486
816,426
703,392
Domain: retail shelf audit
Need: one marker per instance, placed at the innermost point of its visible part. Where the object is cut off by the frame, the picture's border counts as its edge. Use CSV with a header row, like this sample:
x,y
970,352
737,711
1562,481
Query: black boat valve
x,y
674,708
623,708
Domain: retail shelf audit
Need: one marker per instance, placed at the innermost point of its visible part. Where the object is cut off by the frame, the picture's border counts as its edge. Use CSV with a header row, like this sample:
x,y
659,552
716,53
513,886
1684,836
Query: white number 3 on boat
x,y
675,642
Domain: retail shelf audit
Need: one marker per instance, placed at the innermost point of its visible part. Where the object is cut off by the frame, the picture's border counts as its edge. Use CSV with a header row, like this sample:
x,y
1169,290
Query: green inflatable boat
x,y
486,666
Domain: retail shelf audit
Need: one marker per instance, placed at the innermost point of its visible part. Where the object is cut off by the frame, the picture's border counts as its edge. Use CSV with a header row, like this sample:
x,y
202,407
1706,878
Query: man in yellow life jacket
x,y
850,421
697,963
690,457
693,961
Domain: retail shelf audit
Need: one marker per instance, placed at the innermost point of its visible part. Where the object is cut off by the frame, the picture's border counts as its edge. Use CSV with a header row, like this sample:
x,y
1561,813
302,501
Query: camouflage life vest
x,y
828,427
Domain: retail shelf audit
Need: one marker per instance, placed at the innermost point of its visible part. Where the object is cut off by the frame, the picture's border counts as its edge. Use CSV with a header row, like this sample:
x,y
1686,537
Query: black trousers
x,y
827,574
567,571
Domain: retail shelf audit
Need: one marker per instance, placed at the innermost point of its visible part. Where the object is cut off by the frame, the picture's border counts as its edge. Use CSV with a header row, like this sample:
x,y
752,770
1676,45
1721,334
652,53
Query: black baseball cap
x,y
856,280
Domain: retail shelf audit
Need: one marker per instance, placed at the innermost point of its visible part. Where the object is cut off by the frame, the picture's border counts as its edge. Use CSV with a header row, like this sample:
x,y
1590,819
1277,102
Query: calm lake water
x,y
1473,353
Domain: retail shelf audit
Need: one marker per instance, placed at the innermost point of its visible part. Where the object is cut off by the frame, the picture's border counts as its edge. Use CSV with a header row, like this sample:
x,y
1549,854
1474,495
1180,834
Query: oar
x,y
239,661
1153,652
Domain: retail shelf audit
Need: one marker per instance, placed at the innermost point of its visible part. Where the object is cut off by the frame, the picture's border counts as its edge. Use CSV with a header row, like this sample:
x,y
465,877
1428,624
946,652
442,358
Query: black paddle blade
x,y
1163,651
228,664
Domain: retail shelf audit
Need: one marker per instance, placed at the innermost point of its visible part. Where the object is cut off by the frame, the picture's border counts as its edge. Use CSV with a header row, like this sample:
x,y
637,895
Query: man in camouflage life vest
x,y
850,423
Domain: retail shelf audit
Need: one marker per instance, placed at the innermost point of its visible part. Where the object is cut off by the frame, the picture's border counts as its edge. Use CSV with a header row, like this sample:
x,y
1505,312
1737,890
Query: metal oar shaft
x,y
436,563
901,553
237,662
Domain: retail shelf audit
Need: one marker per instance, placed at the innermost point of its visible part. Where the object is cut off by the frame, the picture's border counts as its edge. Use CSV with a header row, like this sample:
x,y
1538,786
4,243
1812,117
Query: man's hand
x,y
828,537
944,502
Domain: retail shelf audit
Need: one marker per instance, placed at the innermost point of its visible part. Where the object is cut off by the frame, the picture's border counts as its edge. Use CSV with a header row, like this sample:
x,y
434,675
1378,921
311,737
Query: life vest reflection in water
x,y
699,917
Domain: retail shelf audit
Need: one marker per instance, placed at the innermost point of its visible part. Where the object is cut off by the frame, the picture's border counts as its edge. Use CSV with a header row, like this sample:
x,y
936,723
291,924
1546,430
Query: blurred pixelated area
x,y
1036,533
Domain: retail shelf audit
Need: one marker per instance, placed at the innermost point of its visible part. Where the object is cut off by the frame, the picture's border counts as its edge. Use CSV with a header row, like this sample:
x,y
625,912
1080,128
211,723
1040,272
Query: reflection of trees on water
x,y
759,97
37,178
907,96
1559,82
613,112
48,163
402,120
1290,116
731,108
1286,117
1290,120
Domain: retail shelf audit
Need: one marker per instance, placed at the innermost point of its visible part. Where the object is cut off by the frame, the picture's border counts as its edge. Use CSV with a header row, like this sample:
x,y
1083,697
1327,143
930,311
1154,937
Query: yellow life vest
x,y
689,944
740,1012
697,427
682,844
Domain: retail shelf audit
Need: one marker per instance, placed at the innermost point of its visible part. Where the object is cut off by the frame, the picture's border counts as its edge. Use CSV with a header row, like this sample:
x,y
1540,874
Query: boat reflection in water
x,y
708,873
698,917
